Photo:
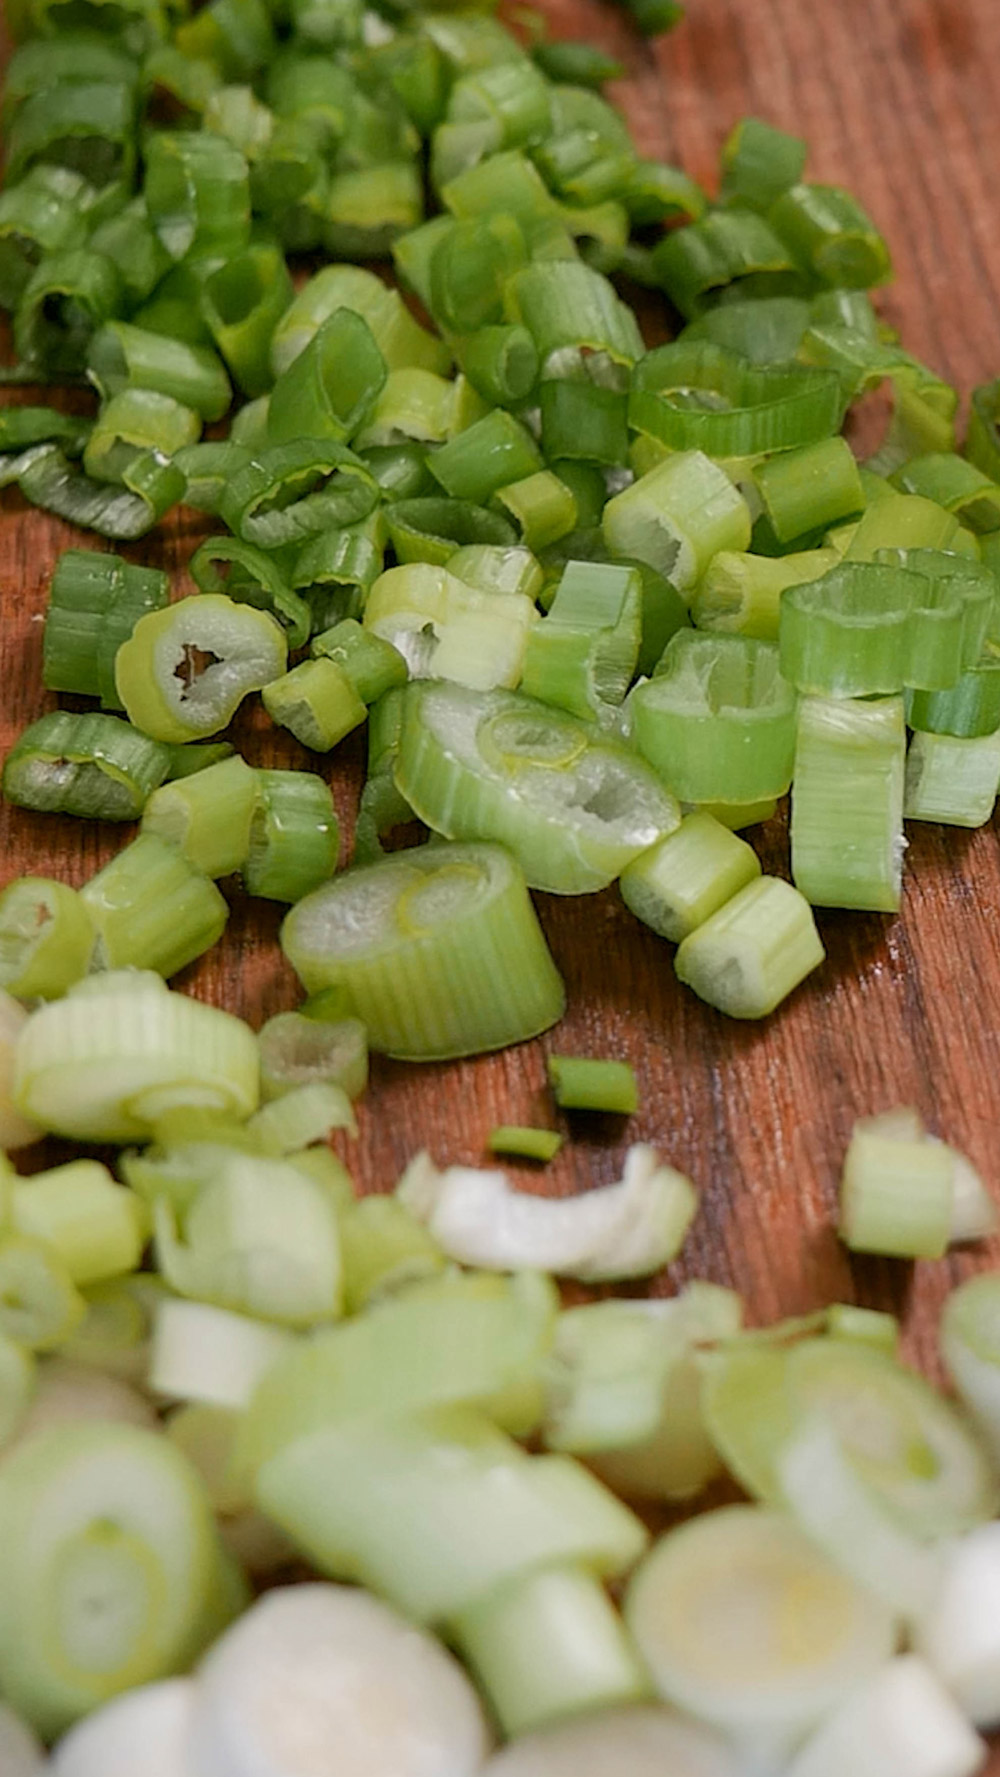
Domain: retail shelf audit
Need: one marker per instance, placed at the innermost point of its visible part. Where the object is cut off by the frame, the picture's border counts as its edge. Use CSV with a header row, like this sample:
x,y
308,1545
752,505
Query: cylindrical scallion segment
x,y
732,251
810,489
91,765
294,836
858,631
583,654
123,356
400,339
486,456
151,486
384,1248
542,506
152,909
331,387
959,486
206,816
46,938
575,317
298,1049
446,629
207,467
293,491
42,213
137,420
242,301
66,300
677,517
438,948
429,528
184,670
94,602
759,162
250,576
316,702
121,1050
40,1305
831,236
108,1513
749,955
583,421
372,665
97,1226
500,362
695,395
847,802
525,1143
582,1083
679,883
573,809
197,193
950,780
897,1195
740,594
547,1646
717,720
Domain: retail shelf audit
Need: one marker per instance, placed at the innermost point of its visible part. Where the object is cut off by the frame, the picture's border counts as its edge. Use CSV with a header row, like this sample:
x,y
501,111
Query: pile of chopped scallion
x,y
599,608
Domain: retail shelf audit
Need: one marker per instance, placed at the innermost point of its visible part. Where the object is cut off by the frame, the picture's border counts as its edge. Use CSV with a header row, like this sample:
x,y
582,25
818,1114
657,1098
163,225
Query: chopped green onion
x,y
582,1084
629,1229
111,1525
432,528
909,1197
253,578
92,765
152,909
548,1645
831,236
207,468
294,836
743,1623
399,338
293,491
442,627
749,955
740,594
95,1225
150,487
677,517
735,252
385,1249
583,655
525,1143
299,1048
759,162
410,936
330,388
316,702
696,395
969,1346
206,816
958,486
717,720
847,802
40,1306
46,938
243,300
208,1354
574,317
197,193
65,301
682,881
950,780
372,665
810,489
184,670
572,808
124,356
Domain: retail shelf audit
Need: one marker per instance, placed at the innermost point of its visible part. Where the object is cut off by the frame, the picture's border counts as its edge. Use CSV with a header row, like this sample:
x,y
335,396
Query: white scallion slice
x,y
323,1679
646,1741
107,1566
103,1068
902,1723
959,1635
744,1623
143,1734
207,1354
625,1230
573,807
970,1346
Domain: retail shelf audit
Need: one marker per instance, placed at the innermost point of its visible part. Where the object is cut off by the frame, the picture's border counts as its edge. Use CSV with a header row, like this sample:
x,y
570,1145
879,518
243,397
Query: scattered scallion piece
x,y
525,1143
580,1083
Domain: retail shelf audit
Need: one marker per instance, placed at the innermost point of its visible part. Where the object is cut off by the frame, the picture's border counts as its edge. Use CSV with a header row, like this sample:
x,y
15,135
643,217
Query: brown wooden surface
x,y
900,100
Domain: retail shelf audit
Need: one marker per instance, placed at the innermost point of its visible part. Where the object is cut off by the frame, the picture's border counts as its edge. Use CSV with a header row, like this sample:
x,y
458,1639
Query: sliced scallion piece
x,y
679,883
750,954
581,1083
847,802
438,948
152,909
298,1048
294,836
125,356
91,765
525,1143
717,719
46,937
206,816
572,808
677,517
950,780
185,669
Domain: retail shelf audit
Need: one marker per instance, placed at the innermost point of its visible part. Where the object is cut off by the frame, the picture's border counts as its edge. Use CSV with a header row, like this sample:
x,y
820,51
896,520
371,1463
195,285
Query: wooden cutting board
x,y
900,101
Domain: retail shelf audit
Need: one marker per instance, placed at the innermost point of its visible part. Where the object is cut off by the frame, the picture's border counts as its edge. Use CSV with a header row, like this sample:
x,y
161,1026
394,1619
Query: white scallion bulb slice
x,y
103,1068
646,1741
107,1565
326,1680
629,1229
208,1354
959,1635
572,807
902,1723
143,1734
743,1622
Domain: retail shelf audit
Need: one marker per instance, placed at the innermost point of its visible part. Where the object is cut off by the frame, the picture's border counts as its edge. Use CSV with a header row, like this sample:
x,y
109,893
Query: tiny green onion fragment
x,y
582,1083
525,1142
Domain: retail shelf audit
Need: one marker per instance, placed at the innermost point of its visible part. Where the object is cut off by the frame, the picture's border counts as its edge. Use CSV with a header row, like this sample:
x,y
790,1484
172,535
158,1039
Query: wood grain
x,y
900,100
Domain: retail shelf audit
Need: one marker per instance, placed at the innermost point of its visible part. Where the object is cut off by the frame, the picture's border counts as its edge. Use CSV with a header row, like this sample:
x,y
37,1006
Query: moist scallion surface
x,y
592,608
